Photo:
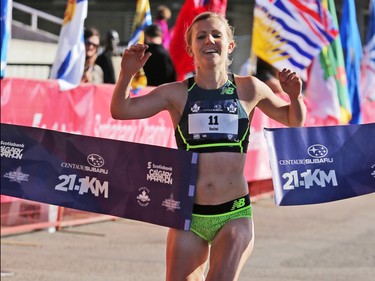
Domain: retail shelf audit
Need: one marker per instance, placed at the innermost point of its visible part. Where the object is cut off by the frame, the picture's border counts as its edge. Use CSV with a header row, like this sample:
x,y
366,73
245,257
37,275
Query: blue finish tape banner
x,y
129,180
321,164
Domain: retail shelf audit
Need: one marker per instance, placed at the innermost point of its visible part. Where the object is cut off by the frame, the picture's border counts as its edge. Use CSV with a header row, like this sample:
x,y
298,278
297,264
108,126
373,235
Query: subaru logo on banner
x,y
129,180
321,164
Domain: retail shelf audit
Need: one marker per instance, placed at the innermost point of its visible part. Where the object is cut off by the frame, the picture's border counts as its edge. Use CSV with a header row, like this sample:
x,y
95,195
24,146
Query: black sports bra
x,y
213,120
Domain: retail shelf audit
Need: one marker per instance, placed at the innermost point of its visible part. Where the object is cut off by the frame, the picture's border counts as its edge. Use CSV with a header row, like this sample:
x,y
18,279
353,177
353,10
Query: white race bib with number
x,y
211,123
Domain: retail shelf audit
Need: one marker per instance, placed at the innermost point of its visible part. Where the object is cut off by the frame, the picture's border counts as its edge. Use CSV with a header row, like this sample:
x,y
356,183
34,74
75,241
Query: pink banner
x,y
83,110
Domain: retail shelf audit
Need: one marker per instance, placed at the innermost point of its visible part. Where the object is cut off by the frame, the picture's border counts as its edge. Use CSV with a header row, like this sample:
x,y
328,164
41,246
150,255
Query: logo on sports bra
x,y
232,108
195,108
227,91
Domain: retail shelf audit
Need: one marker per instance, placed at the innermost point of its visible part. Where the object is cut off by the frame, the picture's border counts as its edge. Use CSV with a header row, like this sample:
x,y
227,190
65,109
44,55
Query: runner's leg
x,y
187,256
230,249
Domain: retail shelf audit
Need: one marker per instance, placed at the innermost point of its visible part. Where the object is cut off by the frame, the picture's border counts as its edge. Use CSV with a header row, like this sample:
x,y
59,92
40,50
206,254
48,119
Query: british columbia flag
x,y
291,33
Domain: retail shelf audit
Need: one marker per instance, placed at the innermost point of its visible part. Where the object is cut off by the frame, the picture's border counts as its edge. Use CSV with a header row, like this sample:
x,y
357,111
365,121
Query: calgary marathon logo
x,y
317,152
12,150
159,173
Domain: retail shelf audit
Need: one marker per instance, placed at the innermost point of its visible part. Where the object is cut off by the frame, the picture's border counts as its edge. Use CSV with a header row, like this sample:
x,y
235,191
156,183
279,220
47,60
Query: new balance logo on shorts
x,y
238,204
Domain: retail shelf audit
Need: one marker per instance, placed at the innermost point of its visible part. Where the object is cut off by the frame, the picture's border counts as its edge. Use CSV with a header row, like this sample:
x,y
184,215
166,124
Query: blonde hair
x,y
205,16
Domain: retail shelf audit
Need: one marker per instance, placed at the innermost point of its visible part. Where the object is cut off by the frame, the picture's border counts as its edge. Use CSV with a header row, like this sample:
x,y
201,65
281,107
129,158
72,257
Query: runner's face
x,y
210,43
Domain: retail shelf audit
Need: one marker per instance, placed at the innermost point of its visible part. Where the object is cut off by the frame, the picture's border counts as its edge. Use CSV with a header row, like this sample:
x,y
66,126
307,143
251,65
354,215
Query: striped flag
x,y
6,22
368,60
352,50
326,86
290,33
182,62
70,58
142,19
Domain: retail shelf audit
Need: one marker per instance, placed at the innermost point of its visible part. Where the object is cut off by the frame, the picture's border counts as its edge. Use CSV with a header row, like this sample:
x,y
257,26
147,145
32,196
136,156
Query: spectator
x,y
93,73
105,59
159,68
162,17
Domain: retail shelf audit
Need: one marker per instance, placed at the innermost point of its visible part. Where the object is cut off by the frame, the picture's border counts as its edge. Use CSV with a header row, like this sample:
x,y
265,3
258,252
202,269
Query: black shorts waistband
x,y
226,207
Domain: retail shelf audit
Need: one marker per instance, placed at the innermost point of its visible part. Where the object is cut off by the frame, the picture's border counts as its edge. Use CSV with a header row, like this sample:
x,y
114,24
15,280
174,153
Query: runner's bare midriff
x,y
221,178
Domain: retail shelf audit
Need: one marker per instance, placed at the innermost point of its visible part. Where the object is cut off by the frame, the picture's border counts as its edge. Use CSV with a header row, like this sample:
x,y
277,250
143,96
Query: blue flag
x,y
70,57
129,180
6,22
321,164
352,50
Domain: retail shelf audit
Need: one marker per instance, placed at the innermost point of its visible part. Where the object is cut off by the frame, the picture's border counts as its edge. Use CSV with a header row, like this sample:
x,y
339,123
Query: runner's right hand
x,y
134,58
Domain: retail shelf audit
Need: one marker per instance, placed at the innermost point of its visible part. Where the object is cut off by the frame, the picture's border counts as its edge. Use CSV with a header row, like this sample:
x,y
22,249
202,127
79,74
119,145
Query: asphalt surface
x,y
326,242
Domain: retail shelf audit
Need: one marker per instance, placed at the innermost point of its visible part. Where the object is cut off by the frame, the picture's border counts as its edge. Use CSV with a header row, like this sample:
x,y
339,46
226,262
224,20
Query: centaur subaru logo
x,y
317,151
95,160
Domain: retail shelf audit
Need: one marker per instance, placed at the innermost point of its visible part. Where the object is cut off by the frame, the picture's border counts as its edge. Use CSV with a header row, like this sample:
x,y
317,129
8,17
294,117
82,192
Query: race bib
x,y
213,120
206,123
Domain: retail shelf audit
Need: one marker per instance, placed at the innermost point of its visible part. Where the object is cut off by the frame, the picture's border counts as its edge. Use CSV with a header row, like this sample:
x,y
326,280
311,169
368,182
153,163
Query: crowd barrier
x,y
20,216
85,110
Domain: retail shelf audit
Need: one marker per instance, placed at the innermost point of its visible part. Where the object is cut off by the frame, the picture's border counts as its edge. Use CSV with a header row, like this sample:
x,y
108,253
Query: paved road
x,y
326,242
